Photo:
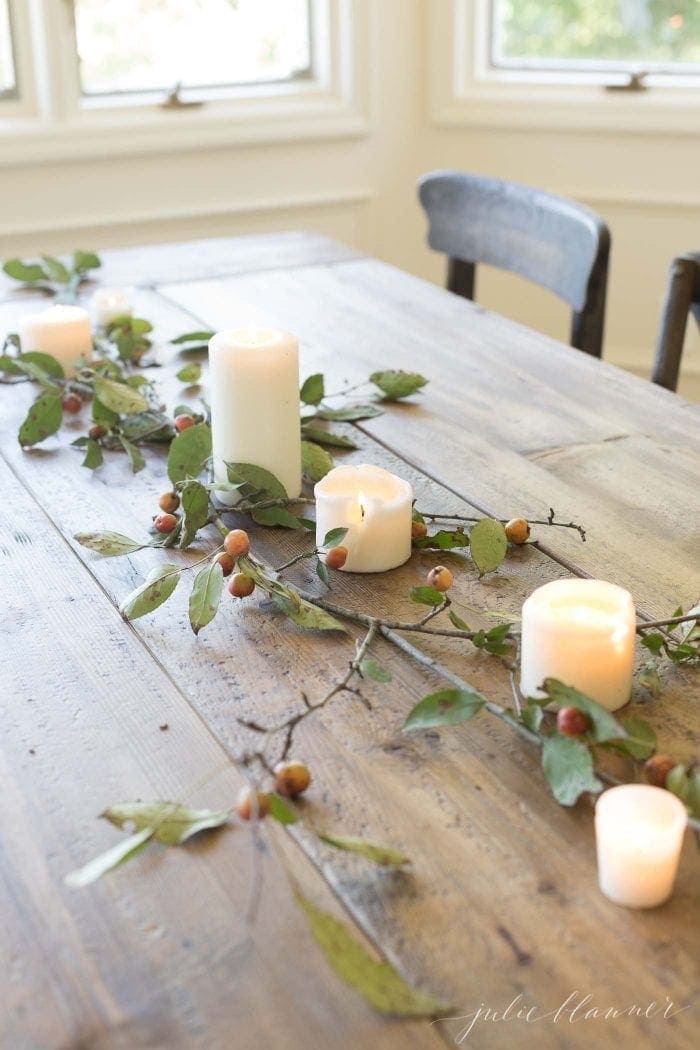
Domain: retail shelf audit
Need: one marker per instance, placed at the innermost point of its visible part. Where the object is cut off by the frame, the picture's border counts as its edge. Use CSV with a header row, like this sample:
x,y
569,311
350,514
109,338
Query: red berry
x,y
291,778
572,722
241,585
657,769
169,502
440,578
183,422
97,432
336,557
165,522
227,563
237,543
71,403
246,806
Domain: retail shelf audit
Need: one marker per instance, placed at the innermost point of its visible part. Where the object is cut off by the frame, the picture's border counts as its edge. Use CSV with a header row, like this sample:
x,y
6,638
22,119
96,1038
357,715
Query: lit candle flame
x,y
361,500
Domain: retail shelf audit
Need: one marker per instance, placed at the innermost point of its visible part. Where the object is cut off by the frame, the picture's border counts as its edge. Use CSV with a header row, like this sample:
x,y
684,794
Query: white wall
x,y
361,190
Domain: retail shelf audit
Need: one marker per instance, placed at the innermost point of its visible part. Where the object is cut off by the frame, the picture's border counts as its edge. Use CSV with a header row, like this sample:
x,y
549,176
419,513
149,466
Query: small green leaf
x,y
371,669
206,595
168,822
568,766
280,810
43,419
653,642
385,856
457,621
447,707
156,589
135,455
119,397
326,437
27,272
188,453
93,455
193,337
334,537
648,676
488,544
306,615
378,983
258,481
190,374
351,413
604,725
322,572
444,540
108,544
427,596
56,270
312,390
532,717
84,261
195,510
315,461
105,416
45,362
397,384
110,859
279,516
640,742
678,782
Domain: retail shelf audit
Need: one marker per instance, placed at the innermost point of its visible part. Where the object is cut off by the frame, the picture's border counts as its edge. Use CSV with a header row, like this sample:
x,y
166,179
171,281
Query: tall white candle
x,y
639,835
62,331
581,632
254,398
109,303
375,507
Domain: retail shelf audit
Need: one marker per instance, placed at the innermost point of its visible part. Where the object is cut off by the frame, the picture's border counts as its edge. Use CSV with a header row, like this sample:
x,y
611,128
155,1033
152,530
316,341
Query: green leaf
x,y
43,419
489,544
427,596
56,270
135,455
447,707
326,437
45,362
260,482
105,416
306,615
444,540
397,384
378,982
351,413
457,621
151,426
568,766
206,595
280,810
190,374
334,537
371,669
110,859
119,397
195,509
108,544
28,272
156,589
315,461
188,453
93,455
84,261
169,822
604,725
648,676
322,572
532,717
385,856
312,390
276,516
678,782
640,741
193,337
653,642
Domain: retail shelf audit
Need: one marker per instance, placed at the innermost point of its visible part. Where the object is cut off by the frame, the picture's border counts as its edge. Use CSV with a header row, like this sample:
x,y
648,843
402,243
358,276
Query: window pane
x,y
646,34
7,67
146,45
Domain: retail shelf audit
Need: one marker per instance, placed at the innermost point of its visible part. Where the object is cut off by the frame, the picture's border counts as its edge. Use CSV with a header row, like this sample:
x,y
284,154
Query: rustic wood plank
x,y
157,953
503,878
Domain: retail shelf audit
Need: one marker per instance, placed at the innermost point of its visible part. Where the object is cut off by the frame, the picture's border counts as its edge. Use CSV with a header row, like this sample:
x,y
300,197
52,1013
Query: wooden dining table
x,y
500,903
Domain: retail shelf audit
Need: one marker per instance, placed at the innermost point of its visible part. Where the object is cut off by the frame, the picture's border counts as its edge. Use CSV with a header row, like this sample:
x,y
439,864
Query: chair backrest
x,y
682,297
555,242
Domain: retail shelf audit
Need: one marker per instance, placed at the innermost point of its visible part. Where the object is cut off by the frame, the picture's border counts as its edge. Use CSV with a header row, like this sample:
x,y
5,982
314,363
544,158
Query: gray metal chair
x,y
554,242
682,298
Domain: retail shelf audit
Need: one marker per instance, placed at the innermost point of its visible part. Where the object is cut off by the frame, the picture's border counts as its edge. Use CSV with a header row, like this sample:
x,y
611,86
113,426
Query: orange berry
x,y
246,806
165,522
237,543
183,422
169,502
518,530
418,530
440,578
97,432
291,778
227,563
657,769
71,403
241,585
336,557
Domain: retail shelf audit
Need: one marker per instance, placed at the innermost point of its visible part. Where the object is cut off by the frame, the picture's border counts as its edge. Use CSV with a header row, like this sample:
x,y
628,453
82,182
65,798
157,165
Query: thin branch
x,y
550,520
646,625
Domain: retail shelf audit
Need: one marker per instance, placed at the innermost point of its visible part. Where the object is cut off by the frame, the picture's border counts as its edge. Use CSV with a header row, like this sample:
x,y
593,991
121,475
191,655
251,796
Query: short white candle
x,y
109,303
639,835
254,399
375,507
581,632
62,331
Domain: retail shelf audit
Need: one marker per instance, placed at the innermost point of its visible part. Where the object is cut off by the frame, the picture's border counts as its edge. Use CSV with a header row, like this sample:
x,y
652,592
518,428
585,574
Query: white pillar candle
x,y
109,303
581,632
254,398
375,507
639,835
61,331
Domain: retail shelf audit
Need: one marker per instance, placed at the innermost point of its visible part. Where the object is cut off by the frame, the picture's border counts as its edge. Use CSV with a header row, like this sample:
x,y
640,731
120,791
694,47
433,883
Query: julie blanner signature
x,y
576,1008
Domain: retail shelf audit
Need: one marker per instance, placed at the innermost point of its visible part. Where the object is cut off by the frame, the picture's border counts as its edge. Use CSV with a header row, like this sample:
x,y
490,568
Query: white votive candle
x,y
581,632
375,507
109,303
639,834
62,331
254,398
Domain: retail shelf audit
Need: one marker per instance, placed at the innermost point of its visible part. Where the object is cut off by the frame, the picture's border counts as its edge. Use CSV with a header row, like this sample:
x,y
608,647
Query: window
x,y
651,36
142,46
8,86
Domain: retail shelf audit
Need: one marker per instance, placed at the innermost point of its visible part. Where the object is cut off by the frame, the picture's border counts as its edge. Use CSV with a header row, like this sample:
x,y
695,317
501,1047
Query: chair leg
x,y
461,277
674,318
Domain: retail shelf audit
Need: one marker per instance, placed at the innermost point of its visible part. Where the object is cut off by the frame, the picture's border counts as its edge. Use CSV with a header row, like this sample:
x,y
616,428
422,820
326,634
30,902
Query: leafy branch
x,y
51,275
